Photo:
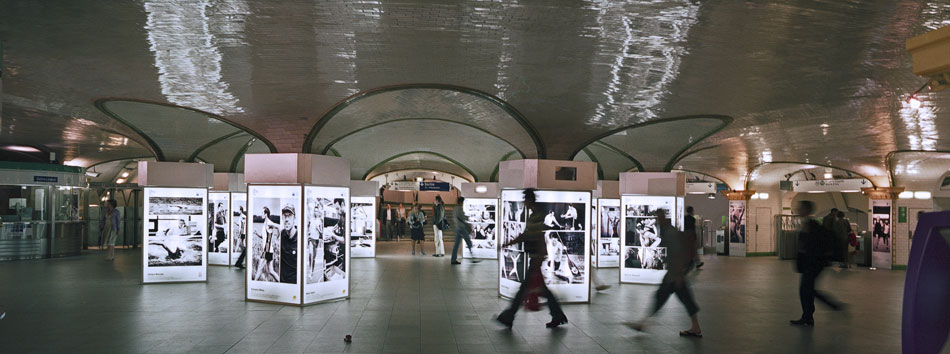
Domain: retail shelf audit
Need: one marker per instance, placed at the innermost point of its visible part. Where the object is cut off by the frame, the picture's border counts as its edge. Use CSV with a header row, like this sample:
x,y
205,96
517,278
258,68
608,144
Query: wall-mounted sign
x,y
831,185
45,179
902,214
405,185
700,188
434,186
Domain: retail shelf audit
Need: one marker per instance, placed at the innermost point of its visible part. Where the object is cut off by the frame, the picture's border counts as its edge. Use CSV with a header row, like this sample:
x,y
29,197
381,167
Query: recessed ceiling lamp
x,y
120,181
21,148
828,176
913,101
481,189
711,196
922,195
906,195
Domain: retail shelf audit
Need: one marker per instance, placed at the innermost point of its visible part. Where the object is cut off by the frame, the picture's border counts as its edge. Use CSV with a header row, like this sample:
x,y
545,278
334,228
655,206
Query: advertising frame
x,y
333,285
882,226
217,258
603,260
637,210
483,252
273,292
153,213
511,225
737,232
371,219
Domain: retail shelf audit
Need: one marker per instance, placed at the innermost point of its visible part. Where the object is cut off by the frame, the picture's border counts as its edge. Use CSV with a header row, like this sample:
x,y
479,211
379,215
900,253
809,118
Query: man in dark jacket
x,y
535,246
810,262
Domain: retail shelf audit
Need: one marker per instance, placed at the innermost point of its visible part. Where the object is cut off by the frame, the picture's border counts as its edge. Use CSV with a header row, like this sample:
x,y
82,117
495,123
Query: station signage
x,y
831,185
434,186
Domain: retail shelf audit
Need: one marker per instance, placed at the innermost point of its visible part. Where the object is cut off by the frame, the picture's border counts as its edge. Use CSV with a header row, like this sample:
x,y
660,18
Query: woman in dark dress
x,y
416,219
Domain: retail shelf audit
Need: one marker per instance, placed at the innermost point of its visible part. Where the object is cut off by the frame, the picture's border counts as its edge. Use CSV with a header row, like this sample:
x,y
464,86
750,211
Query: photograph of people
x,y
168,251
218,236
880,233
266,248
737,222
564,264
288,245
631,258
315,265
238,223
181,229
326,240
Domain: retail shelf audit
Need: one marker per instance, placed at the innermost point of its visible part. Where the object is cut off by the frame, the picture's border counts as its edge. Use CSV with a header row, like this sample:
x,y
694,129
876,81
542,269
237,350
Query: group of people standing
x,y
396,221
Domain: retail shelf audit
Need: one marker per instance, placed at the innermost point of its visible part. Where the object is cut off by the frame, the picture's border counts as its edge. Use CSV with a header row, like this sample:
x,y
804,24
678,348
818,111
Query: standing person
x,y
288,245
689,230
438,218
385,218
416,219
680,253
401,230
852,245
810,262
533,238
462,231
842,226
109,228
242,238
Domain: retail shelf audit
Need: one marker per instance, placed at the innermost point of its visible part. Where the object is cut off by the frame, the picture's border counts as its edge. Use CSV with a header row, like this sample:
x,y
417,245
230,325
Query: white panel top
x,y
480,190
653,183
175,174
229,182
296,168
360,188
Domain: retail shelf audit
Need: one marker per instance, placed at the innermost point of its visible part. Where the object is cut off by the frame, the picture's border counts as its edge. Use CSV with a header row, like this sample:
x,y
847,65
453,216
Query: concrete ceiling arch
x,y
917,169
771,173
458,104
652,145
420,160
176,133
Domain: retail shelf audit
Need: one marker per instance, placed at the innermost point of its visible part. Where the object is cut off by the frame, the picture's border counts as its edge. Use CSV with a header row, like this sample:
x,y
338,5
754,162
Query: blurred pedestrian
x,y
810,262
462,231
109,228
689,230
533,238
679,255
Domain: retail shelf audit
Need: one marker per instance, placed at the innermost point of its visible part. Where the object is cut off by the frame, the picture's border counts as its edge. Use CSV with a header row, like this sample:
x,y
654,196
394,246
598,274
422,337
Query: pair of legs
x,y
807,295
459,236
421,243
240,260
669,287
109,243
534,270
439,246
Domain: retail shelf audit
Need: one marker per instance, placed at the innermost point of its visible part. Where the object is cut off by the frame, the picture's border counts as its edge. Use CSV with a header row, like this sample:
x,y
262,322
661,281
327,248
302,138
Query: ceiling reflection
x,y
180,36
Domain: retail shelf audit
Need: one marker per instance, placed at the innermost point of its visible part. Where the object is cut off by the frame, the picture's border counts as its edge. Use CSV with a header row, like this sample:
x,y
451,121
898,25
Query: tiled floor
x,y
422,304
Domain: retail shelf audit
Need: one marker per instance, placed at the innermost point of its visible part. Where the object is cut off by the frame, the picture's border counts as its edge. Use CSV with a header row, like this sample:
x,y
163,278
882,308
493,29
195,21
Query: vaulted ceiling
x,y
720,88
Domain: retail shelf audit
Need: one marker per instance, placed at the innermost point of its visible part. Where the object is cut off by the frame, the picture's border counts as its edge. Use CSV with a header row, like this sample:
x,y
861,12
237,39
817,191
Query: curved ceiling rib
x,y
653,145
476,149
405,161
175,133
448,102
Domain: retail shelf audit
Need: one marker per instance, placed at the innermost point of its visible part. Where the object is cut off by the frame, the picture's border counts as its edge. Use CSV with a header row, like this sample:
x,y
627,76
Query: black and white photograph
x,y
482,219
642,232
511,231
609,224
174,226
175,205
325,256
217,224
565,263
514,212
881,229
646,210
645,258
361,227
513,265
174,251
274,240
238,225
563,216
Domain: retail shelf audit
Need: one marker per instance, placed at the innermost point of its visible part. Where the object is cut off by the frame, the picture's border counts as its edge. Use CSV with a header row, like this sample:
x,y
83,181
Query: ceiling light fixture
x,y
913,101
828,176
125,174
120,181
711,196
481,189
922,195
21,148
906,195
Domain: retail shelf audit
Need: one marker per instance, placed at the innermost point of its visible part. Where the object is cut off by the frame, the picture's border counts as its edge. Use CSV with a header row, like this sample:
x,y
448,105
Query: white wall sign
x,y
643,259
404,185
700,188
831,185
363,227
566,269
175,247
482,218
219,234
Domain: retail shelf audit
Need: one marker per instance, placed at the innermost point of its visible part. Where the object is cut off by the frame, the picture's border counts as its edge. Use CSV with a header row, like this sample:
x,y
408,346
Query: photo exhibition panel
x,y
175,232
273,256
644,257
566,222
482,218
219,234
326,260
363,227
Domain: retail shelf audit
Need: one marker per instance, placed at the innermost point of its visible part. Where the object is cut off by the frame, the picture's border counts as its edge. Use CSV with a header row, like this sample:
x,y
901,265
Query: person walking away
x,y
416,220
689,230
462,231
242,236
841,239
810,262
438,218
680,251
533,238
401,230
109,228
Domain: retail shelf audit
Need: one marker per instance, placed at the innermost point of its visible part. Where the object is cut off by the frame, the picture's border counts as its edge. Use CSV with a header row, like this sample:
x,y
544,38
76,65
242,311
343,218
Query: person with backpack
x,y
416,219
815,247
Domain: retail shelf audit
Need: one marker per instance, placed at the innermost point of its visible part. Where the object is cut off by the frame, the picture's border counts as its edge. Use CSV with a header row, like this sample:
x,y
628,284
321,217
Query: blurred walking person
x,y
689,230
462,231
810,262
679,253
109,228
533,238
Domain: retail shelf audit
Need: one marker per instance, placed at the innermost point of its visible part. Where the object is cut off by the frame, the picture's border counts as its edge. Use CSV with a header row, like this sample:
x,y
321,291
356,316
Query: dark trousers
x,y
459,236
555,307
240,260
683,293
807,294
